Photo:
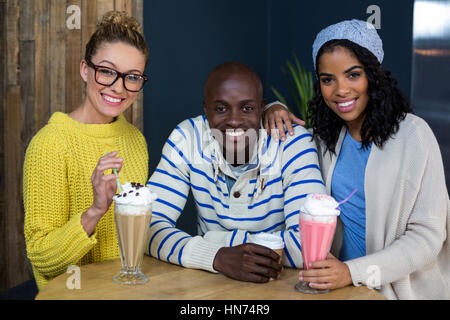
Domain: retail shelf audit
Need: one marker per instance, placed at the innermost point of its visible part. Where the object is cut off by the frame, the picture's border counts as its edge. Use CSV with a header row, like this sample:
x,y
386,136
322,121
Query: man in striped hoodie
x,y
243,182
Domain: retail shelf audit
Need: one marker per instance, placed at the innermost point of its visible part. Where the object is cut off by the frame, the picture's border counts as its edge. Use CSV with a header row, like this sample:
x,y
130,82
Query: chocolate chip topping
x,y
136,185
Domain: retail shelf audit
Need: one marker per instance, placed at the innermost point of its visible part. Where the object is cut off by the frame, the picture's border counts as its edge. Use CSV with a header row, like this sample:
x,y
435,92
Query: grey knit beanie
x,y
357,31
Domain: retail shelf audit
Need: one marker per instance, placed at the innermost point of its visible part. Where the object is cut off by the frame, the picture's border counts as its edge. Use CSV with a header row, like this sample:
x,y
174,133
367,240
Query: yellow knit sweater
x,y
57,190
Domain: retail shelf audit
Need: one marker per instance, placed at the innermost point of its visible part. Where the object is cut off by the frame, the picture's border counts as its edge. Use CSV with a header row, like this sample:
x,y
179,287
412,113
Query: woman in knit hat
x,y
67,181
393,233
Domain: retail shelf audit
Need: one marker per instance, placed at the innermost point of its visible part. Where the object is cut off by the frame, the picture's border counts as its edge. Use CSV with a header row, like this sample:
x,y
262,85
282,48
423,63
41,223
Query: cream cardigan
x,y
407,215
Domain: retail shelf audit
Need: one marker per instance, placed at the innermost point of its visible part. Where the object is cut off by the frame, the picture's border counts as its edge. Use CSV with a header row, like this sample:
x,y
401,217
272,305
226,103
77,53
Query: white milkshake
x,y
132,212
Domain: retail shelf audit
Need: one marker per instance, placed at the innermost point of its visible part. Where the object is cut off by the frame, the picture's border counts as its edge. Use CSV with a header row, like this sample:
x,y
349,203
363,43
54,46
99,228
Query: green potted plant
x,y
301,86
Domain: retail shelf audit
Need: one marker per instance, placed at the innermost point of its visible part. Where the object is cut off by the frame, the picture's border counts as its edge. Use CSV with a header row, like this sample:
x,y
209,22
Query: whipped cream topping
x,y
135,194
318,204
268,240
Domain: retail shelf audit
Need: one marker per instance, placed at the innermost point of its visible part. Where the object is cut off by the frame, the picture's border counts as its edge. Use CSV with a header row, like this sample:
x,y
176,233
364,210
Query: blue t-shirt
x,y
238,171
348,175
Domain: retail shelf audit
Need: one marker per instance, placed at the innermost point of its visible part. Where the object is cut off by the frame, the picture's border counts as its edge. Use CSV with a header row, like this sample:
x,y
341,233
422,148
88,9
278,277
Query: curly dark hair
x,y
387,105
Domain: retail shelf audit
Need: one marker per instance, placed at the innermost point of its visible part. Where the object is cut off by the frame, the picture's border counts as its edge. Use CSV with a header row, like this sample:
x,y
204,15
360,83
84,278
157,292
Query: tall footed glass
x,y
132,223
316,233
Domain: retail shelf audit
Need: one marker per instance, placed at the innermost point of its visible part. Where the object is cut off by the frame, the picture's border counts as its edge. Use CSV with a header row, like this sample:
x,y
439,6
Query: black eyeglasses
x,y
107,77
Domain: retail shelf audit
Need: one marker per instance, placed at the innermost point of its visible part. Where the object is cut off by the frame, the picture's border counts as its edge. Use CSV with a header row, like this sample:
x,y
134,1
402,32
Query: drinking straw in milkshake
x,y
117,179
318,218
132,213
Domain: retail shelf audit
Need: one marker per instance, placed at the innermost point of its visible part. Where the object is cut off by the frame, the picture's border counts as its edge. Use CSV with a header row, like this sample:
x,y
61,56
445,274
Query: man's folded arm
x,y
171,183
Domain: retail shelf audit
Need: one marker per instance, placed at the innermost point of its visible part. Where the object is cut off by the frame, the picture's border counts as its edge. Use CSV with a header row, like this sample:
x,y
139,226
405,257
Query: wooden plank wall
x,y
39,74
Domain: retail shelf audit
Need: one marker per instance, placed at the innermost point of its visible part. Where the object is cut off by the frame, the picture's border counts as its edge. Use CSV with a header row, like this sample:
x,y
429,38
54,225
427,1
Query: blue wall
x,y
188,38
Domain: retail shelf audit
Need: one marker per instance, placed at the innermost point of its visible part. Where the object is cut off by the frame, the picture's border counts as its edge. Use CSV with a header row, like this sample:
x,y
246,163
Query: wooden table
x,y
172,282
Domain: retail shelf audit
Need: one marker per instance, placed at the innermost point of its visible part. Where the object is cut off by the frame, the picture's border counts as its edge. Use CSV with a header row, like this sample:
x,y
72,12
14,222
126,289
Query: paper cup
x,y
270,241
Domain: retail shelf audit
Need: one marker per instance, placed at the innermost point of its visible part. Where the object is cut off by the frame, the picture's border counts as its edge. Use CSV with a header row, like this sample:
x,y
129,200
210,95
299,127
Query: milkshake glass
x,y
318,218
132,215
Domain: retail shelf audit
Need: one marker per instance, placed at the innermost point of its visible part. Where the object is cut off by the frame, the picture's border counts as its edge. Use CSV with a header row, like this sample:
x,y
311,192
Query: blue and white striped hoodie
x,y
266,198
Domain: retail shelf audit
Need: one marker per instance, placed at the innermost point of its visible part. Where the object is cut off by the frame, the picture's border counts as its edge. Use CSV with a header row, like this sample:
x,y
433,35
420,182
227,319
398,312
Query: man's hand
x,y
248,262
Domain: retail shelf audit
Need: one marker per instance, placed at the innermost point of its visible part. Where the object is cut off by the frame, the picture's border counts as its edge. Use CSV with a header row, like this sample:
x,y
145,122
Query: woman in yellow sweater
x,y
67,180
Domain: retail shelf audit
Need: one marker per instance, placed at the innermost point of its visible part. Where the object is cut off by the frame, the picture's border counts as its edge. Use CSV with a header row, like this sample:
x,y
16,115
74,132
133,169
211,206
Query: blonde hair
x,y
117,26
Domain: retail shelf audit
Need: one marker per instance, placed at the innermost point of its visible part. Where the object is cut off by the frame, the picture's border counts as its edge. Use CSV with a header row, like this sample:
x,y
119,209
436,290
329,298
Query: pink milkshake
x,y
317,225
